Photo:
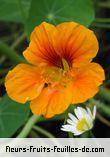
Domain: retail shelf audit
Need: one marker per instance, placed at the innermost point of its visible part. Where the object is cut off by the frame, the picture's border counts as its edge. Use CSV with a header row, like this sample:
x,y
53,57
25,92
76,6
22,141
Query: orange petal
x,y
87,82
24,83
77,43
70,41
41,48
52,101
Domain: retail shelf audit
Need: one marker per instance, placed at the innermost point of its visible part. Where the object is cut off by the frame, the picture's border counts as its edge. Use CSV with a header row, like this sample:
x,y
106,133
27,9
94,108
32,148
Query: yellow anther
x,y
65,65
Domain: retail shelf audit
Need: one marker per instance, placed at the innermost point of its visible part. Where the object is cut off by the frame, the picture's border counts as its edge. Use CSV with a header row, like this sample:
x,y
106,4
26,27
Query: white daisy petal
x,y
88,118
63,129
80,112
84,111
68,127
81,123
89,121
71,129
72,117
94,111
89,111
77,133
71,122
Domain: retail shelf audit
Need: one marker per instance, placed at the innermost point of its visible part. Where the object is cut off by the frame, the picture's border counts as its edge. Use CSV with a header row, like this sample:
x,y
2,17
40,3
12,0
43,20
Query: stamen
x,y
65,64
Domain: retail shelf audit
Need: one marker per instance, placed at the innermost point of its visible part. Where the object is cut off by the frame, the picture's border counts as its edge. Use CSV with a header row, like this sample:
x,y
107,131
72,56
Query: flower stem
x,y
102,20
104,93
85,135
43,131
70,135
104,4
28,126
18,41
11,54
102,107
103,120
91,134
2,59
66,115
100,25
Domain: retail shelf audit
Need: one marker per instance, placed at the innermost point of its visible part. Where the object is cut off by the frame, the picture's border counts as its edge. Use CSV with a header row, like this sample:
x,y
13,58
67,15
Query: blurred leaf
x,y
11,11
57,11
12,116
104,93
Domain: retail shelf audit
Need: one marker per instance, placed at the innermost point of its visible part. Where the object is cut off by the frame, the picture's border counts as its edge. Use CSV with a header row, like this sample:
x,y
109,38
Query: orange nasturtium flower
x,y
60,72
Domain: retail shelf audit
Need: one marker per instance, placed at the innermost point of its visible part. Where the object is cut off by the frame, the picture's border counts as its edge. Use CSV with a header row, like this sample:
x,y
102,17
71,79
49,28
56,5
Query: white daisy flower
x,y
83,121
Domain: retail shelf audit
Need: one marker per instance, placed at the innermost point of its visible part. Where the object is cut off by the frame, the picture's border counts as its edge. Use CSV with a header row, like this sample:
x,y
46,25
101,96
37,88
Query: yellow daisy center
x,y
82,125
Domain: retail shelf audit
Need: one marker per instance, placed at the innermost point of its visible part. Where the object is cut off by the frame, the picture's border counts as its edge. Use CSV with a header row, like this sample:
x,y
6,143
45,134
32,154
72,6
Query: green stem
x,y
91,134
104,93
102,20
28,126
105,26
100,106
70,135
2,59
66,114
103,120
33,134
18,41
104,4
44,132
11,54
85,135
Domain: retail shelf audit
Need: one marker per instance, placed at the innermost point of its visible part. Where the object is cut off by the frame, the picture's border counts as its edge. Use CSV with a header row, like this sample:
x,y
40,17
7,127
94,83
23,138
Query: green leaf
x,y
10,10
58,11
12,116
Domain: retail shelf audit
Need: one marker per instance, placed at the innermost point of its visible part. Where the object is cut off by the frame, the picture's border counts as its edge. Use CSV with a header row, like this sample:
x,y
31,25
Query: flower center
x,y
50,16
82,125
58,75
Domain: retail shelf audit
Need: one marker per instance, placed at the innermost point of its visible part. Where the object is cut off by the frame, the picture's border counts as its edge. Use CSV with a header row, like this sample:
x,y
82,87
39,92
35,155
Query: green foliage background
x,y
28,14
